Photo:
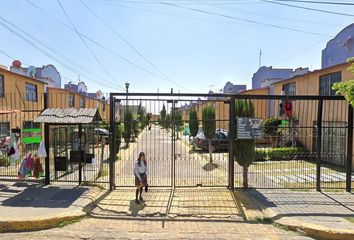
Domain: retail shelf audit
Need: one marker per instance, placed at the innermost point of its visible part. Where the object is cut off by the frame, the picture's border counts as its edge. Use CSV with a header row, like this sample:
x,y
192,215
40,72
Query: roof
x,y
20,75
68,115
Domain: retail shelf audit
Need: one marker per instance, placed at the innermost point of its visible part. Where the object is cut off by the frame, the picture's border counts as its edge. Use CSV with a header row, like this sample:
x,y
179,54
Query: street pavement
x,y
190,169
96,228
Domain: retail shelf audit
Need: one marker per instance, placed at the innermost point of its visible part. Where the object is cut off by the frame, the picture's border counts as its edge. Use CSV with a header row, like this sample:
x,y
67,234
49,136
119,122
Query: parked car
x,y
103,134
220,141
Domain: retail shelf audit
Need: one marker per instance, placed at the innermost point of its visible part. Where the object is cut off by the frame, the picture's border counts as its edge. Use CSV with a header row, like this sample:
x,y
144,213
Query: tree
x,y
163,115
347,88
178,122
141,116
167,122
245,150
271,129
209,126
128,118
193,122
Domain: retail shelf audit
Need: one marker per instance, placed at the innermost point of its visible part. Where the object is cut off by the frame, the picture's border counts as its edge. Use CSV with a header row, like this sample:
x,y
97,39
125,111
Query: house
x,y
22,95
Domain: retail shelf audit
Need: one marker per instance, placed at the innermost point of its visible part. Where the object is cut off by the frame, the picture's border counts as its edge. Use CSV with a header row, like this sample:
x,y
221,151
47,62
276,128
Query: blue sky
x,y
194,51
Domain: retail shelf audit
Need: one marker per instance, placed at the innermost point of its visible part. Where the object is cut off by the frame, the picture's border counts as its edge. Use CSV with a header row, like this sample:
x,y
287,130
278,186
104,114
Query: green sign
x,y
31,135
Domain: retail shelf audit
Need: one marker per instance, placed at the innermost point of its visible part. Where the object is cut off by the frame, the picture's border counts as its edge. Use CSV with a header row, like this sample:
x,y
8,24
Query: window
x,y
71,100
82,102
2,89
4,129
30,124
289,89
31,92
327,81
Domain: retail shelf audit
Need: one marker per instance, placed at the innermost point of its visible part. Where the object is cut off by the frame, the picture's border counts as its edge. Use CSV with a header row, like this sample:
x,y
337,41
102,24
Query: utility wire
x,y
242,19
20,33
310,9
129,44
317,2
96,43
84,42
53,39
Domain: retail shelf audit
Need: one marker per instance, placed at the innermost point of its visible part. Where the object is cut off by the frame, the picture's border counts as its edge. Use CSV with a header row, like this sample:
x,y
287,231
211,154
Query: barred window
x,y
289,89
2,87
71,100
327,81
31,92
82,102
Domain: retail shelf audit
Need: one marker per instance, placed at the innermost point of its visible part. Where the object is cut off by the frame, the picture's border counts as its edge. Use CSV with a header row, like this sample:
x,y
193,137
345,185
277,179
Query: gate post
x,y
231,143
46,143
348,165
319,144
111,142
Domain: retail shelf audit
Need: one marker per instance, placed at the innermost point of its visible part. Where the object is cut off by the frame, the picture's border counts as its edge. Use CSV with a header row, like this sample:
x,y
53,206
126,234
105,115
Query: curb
x,y
255,211
316,231
43,223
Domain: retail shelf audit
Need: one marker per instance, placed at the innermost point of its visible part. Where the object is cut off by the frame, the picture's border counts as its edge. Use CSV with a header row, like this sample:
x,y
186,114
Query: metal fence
x,y
17,112
306,142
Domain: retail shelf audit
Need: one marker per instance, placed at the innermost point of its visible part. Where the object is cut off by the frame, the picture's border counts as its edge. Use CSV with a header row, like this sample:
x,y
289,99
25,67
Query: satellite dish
x,y
16,64
31,71
99,94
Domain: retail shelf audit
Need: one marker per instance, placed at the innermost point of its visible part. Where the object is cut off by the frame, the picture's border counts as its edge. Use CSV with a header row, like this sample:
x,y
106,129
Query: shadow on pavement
x,y
39,196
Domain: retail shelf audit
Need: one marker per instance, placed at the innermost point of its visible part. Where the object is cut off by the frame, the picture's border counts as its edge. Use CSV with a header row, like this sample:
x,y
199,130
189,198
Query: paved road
x,y
191,169
92,228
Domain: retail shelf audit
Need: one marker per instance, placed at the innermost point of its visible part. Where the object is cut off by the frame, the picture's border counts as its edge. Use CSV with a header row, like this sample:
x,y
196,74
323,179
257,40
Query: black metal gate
x,y
159,126
306,142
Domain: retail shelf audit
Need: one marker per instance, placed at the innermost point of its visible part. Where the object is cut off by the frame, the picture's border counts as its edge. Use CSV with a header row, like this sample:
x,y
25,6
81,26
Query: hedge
x,y
281,154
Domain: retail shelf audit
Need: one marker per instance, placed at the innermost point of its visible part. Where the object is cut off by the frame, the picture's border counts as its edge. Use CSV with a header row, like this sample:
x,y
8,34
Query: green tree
x,y
271,129
128,119
245,150
167,122
193,122
163,116
209,126
347,88
141,117
178,122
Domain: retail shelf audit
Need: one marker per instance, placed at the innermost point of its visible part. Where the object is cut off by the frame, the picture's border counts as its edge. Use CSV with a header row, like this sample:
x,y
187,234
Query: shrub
x,y
271,126
282,154
193,122
4,162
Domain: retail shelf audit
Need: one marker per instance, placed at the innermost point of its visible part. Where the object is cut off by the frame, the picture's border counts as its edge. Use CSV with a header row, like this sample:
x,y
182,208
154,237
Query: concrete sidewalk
x,y
30,206
323,215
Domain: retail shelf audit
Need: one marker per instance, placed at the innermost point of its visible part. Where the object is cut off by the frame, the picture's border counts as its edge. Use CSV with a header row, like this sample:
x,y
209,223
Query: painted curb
x,y
317,231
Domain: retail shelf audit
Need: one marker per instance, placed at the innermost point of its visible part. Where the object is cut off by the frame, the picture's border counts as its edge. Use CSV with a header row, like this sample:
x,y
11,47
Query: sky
x,y
190,46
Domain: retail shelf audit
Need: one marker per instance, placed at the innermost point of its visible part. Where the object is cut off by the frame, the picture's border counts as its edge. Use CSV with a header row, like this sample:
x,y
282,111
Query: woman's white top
x,y
140,169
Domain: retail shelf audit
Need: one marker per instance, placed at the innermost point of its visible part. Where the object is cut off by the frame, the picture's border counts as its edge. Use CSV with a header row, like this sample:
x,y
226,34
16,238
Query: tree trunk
x,y
210,152
245,177
101,162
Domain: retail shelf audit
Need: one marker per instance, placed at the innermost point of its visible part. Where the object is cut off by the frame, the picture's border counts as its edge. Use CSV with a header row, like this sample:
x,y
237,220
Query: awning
x,y
69,116
5,112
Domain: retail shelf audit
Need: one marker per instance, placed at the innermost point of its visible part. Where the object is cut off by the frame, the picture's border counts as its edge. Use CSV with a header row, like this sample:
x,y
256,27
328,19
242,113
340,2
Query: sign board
x,y
249,128
31,135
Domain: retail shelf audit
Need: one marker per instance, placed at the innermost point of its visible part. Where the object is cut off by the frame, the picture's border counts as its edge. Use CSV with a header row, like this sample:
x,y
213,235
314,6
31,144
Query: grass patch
x,y
350,219
66,223
264,220
281,226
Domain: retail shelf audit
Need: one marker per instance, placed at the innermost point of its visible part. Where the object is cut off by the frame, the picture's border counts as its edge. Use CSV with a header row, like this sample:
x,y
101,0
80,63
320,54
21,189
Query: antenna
x,y
260,58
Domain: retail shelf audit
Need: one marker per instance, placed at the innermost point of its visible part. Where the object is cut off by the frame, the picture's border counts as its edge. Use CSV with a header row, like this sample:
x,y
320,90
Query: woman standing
x,y
140,172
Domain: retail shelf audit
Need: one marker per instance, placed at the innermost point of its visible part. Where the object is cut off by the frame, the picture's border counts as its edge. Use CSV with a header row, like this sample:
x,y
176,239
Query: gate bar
x,y
46,143
349,149
232,118
319,144
111,143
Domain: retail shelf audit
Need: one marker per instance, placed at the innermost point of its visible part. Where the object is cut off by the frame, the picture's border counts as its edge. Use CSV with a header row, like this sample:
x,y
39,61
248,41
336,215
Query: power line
x,y
20,33
310,9
242,19
96,43
318,2
84,42
129,44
